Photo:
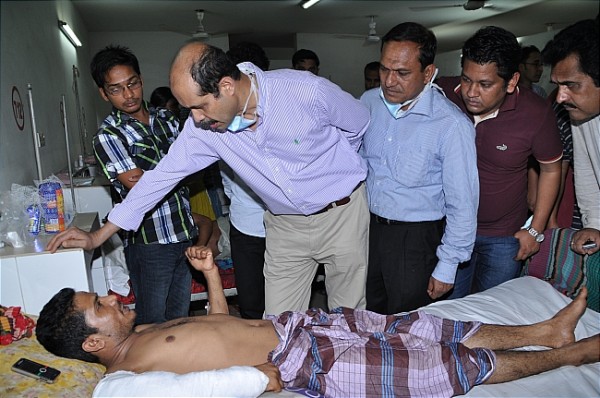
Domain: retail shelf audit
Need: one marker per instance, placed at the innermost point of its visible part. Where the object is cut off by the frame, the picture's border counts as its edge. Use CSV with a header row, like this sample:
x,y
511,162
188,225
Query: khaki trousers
x,y
297,244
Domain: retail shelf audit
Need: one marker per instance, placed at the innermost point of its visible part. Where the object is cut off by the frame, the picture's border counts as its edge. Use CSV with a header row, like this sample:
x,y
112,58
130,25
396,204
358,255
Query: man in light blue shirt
x,y
422,180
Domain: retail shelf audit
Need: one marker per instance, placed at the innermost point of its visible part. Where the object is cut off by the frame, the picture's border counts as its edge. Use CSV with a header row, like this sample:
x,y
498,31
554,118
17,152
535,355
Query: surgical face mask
x,y
239,122
396,109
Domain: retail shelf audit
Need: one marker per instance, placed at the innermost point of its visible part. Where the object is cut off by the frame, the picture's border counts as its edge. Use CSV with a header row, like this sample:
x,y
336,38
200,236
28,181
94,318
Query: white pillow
x,y
237,381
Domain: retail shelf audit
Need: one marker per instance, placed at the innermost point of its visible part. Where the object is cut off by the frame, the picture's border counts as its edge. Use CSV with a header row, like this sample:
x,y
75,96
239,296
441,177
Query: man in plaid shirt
x,y
132,139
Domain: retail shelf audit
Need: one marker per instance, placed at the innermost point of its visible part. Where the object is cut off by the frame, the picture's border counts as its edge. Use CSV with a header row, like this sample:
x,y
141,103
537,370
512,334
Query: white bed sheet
x,y
520,301
527,300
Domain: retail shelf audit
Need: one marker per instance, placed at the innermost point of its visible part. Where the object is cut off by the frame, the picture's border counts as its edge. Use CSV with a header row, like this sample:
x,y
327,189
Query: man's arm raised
x,y
201,258
75,237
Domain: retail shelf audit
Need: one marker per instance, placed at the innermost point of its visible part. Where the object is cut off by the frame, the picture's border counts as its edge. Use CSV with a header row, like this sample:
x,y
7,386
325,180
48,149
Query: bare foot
x,y
561,326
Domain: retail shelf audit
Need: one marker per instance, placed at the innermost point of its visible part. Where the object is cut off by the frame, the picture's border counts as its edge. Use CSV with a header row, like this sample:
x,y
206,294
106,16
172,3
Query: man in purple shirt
x,y
293,138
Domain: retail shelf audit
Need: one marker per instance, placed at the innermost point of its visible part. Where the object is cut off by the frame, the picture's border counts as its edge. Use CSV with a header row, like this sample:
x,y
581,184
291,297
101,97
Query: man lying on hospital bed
x,y
345,353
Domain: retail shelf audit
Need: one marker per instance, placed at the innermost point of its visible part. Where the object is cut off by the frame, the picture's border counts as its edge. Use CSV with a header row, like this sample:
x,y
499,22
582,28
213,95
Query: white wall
x,y
342,59
33,51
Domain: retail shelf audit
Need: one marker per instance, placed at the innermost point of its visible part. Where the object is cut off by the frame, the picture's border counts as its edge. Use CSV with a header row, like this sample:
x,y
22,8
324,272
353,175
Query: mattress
x,y
520,301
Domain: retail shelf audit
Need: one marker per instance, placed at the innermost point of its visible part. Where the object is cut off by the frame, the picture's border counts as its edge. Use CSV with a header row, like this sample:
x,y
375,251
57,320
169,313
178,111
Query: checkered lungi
x,y
358,353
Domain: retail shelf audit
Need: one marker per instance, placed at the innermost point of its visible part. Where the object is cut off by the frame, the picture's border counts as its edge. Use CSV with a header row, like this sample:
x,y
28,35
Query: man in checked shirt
x,y
131,140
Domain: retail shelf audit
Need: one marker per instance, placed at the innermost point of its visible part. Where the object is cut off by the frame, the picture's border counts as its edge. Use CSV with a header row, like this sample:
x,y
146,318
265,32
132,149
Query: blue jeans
x,y
161,280
491,264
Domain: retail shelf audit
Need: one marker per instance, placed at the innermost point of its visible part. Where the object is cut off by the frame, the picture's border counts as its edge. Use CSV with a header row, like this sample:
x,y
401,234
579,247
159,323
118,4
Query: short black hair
x,y
61,329
210,67
304,54
247,51
580,39
526,52
492,44
161,96
417,33
108,58
372,66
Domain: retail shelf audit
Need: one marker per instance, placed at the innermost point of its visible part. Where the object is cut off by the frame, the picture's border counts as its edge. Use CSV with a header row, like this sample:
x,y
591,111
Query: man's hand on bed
x,y
527,245
436,289
583,236
272,372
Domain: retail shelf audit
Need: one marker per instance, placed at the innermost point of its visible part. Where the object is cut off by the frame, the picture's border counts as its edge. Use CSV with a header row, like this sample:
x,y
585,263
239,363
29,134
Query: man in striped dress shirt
x,y
293,138
130,141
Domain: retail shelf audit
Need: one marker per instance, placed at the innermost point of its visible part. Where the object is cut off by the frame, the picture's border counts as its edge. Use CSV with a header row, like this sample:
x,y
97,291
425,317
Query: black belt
x,y
340,202
383,220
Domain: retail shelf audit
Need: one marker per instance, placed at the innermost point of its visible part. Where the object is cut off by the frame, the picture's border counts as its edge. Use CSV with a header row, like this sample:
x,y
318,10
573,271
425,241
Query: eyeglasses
x,y
134,84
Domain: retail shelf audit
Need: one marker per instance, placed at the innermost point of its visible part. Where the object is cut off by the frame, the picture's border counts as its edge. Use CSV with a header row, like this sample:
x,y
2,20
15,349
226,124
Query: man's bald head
x,y
187,55
206,65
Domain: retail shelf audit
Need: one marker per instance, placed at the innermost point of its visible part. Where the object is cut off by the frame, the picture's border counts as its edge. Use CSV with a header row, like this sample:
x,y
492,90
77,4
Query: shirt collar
x,y
249,68
123,117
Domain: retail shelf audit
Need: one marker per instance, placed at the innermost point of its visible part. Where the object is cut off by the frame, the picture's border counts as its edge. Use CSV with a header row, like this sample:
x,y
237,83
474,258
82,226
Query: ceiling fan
x,y
199,33
371,37
469,5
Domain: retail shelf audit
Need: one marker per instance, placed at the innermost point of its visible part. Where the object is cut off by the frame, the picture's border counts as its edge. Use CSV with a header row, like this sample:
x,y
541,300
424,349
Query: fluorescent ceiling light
x,y
67,31
309,3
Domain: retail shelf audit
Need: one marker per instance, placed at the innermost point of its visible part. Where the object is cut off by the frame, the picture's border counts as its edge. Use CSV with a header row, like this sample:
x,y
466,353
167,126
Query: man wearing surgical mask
x,y
293,138
422,179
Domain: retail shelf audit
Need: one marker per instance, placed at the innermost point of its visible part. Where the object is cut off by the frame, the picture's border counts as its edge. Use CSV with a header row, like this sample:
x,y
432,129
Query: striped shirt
x,y
301,157
124,143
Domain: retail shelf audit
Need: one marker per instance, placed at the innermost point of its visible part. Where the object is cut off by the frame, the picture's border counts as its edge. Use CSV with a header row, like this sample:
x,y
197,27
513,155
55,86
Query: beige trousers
x,y
296,245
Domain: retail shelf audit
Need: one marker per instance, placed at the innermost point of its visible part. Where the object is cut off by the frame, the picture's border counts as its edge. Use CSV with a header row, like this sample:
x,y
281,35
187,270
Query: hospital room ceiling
x,y
273,23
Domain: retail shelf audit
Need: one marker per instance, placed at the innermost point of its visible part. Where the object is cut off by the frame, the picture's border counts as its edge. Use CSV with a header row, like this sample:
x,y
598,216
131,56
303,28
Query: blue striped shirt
x,y
423,167
124,143
301,157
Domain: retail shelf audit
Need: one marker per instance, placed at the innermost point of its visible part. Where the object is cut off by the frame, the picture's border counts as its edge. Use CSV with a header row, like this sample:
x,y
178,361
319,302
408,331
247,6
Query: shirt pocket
x,y
413,166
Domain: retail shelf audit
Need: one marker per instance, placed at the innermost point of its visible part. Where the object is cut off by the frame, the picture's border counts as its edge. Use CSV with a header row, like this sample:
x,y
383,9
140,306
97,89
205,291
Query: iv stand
x,y
36,140
64,105
82,128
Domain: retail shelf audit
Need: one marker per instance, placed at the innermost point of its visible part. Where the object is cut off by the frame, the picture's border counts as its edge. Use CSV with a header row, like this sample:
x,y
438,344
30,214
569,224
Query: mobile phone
x,y
36,370
588,245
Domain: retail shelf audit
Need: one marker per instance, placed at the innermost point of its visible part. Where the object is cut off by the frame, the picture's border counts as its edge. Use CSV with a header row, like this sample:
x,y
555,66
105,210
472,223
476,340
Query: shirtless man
x,y
99,329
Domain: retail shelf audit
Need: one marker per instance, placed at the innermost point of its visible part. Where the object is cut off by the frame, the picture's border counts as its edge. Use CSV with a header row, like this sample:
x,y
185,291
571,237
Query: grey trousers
x,y
297,244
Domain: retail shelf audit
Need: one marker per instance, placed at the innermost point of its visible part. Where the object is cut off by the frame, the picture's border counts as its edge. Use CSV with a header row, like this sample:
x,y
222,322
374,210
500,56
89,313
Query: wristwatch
x,y
539,237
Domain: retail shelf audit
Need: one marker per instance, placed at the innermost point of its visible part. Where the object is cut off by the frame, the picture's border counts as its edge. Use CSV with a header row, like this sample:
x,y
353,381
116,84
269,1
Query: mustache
x,y
206,124
569,105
